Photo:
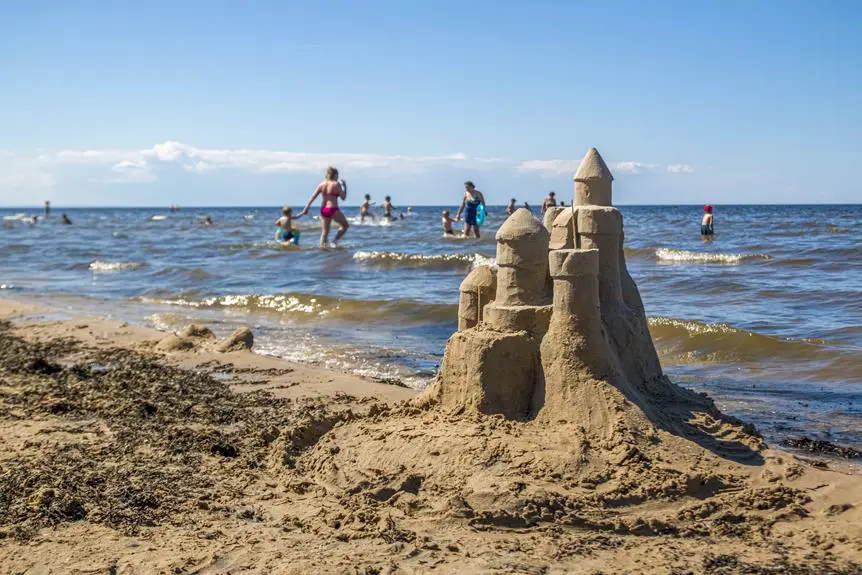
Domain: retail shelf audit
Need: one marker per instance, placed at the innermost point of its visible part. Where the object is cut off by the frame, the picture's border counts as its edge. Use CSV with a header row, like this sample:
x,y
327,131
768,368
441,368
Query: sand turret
x,y
477,289
551,215
522,245
593,181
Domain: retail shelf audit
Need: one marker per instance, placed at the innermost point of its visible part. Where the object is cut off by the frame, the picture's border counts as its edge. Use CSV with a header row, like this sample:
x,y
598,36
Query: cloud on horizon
x,y
134,166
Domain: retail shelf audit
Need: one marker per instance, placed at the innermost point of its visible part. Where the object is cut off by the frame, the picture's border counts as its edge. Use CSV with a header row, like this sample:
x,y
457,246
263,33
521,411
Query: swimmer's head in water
x,y
707,209
331,174
286,211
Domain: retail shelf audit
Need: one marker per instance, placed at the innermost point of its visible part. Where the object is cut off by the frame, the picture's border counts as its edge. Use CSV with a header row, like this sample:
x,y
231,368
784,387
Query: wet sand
x,y
118,457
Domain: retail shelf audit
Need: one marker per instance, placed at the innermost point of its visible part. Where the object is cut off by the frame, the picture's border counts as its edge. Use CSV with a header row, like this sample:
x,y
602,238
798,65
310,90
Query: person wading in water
x,y
473,198
706,229
331,191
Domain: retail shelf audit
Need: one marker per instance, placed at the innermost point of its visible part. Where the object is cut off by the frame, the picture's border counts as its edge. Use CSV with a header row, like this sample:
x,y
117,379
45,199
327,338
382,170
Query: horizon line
x,y
58,207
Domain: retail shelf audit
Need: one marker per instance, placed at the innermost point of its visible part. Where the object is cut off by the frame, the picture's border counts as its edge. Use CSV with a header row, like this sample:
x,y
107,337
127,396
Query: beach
x,y
121,458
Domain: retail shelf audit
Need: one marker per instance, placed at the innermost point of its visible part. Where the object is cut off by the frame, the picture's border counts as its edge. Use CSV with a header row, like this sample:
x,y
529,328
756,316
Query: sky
x,y
116,103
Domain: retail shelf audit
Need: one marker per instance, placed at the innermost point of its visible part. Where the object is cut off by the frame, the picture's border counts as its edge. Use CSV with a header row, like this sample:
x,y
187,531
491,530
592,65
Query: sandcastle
x,y
564,321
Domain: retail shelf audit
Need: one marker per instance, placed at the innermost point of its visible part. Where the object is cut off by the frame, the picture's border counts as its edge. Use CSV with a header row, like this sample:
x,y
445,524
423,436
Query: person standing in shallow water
x,y
706,229
510,209
365,209
550,202
470,203
330,190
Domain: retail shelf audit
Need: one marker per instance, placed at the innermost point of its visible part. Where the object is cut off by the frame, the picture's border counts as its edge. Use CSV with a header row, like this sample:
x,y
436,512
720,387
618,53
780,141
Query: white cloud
x,y
549,166
633,167
680,169
145,165
132,172
557,167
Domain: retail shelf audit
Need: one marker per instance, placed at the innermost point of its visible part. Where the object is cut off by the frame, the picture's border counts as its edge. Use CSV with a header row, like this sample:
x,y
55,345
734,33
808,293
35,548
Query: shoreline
x,y
121,458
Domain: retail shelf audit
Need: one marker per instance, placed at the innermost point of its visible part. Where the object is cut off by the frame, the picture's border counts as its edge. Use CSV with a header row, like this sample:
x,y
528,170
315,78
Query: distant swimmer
x,y
409,212
550,202
706,229
330,190
387,208
47,208
510,209
207,221
365,209
286,232
447,223
470,203
64,219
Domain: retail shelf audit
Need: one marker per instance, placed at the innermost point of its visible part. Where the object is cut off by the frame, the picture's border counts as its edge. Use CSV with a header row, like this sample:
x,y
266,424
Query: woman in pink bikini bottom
x,y
332,191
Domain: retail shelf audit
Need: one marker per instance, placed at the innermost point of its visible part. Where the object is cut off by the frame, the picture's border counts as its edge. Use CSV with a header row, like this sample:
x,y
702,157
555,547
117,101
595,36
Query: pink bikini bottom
x,y
328,212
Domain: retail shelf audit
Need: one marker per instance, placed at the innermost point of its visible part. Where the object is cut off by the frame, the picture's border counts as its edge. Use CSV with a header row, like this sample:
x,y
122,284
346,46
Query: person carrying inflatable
x,y
286,232
473,206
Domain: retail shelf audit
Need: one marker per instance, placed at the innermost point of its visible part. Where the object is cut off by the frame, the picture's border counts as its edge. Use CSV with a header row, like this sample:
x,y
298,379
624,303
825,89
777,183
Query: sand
x,y
123,455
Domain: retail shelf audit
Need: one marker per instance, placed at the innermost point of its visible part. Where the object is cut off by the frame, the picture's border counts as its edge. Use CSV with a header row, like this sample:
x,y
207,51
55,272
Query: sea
x,y
766,318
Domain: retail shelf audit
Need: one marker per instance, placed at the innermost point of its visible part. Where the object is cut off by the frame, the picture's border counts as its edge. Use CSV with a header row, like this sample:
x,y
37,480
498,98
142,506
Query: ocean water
x,y
766,318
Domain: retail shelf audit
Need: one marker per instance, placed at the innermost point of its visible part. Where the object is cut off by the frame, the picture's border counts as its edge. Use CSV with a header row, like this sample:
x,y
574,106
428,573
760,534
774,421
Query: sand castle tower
x,y
521,302
565,337
477,289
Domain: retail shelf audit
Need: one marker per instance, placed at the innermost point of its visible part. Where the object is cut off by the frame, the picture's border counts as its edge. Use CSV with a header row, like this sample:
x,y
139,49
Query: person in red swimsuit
x,y
331,191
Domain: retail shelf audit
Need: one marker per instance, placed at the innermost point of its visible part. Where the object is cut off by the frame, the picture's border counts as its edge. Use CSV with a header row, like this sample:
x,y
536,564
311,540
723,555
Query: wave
x,y
184,273
308,306
640,253
423,260
687,341
685,256
15,249
101,267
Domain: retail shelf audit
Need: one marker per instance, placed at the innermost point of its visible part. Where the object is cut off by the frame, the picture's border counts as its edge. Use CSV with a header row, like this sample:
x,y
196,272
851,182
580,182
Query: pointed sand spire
x,y
593,181
593,167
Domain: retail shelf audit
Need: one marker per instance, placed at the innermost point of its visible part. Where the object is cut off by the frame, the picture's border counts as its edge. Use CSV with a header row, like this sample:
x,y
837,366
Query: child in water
x,y
706,229
365,209
285,226
387,208
447,223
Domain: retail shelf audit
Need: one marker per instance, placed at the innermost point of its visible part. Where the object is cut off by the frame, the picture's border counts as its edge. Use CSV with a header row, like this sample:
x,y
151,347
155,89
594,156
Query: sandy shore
x,y
120,457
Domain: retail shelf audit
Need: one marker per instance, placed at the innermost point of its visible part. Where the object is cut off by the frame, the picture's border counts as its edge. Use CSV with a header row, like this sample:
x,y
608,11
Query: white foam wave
x,y
474,260
159,218
685,256
100,266
281,303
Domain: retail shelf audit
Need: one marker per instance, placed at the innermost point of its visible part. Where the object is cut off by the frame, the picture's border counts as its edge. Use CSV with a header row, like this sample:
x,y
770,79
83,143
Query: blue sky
x,y
230,103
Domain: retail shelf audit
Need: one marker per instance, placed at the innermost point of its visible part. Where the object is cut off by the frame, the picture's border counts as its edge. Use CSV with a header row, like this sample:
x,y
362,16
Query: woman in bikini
x,y
331,190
